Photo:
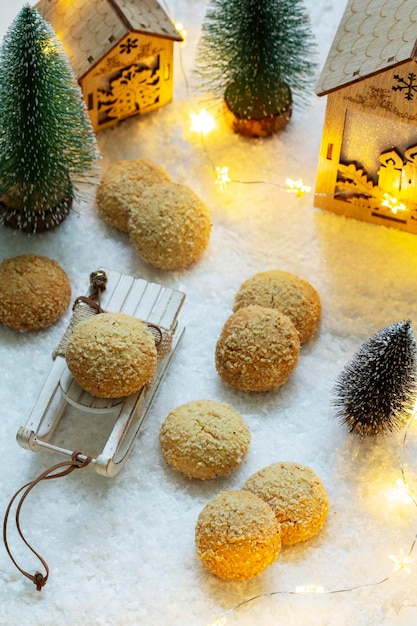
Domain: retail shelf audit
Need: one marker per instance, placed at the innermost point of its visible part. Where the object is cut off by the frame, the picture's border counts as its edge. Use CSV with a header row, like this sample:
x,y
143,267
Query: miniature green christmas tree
x,y
47,144
377,390
257,55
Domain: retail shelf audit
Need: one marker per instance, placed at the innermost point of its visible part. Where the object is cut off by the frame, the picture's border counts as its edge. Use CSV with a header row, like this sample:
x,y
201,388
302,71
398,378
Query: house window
x,y
329,151
378,160
167,71
366,137
90,101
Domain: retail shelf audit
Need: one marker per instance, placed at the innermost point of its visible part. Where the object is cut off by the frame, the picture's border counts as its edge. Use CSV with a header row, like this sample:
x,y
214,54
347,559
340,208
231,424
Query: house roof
x,y
89,29
372,36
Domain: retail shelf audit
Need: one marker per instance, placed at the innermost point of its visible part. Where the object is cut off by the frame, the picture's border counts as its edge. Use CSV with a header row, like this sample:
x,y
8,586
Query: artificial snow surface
x,y
121,550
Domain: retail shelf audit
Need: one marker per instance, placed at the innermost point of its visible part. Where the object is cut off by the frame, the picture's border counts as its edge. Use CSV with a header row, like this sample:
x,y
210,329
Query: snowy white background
x,y
121,550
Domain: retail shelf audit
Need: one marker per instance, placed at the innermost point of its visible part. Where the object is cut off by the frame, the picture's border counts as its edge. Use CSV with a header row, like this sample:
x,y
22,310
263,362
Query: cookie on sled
x,y
131,301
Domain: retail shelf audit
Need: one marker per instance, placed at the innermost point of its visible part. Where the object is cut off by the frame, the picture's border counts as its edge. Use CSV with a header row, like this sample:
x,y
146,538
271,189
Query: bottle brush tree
x,y
47,144
256,55
377,390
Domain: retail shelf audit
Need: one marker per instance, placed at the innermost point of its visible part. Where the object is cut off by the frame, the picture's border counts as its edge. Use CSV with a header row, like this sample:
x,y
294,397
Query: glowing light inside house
x,y
393,204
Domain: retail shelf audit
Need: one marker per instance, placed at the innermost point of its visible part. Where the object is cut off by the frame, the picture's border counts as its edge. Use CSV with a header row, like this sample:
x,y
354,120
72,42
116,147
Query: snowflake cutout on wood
x,y
129,45
408,85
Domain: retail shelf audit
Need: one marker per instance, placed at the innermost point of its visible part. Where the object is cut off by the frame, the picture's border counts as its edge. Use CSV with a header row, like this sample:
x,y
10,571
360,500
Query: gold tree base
x,y
263,127
258,126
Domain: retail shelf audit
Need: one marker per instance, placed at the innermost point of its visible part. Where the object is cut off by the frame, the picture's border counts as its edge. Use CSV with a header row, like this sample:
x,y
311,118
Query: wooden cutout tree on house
x,y
135,89
47,144
368,156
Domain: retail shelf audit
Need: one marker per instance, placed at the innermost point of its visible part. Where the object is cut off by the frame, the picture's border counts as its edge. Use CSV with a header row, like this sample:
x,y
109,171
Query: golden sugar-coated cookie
x,y
204,439
122,180
169,226
257,350
285,292
112,355
237,535
34,292
297,497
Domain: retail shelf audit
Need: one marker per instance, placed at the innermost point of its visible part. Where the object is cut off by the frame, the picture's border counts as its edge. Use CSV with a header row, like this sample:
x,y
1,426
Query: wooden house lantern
x,y
121,52
368,156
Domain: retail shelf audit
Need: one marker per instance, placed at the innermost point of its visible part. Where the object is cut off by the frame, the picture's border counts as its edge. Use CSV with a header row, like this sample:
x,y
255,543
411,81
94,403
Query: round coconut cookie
x,y
257,350
34,292
237,535
285,292
297,497
122,180
204,439
169,226
111,355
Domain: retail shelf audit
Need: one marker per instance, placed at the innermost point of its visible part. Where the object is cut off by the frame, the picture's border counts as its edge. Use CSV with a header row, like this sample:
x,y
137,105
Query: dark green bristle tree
x,y
47,144
256,55
377,390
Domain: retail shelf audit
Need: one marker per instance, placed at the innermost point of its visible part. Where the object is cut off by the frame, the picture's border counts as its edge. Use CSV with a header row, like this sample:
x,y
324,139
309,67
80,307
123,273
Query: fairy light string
x,y
198,124
221,172
221,620
401,462
202,123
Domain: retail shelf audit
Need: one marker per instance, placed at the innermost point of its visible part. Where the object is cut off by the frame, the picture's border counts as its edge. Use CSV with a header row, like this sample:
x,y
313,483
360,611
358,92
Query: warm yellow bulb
x,y
401,492
202,122
49,46
309,589
297,187
181,30
219,621
401,561
222,176
392,203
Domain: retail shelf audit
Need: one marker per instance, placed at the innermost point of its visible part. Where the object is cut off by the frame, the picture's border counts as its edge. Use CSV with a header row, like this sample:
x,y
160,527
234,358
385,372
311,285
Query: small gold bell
x,y
98,280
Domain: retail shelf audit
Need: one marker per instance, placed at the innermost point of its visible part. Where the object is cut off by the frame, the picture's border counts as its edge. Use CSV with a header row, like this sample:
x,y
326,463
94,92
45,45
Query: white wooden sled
x,y
149,302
